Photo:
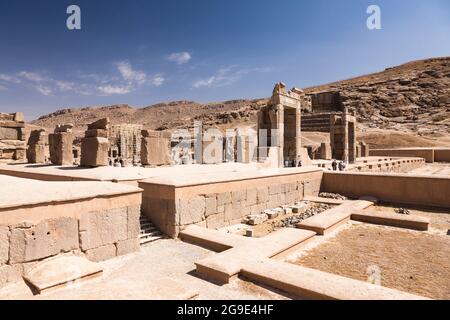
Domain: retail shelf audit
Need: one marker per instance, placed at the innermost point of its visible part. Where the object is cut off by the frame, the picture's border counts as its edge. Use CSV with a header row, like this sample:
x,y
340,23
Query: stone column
x,y
36,146
61,145
95,144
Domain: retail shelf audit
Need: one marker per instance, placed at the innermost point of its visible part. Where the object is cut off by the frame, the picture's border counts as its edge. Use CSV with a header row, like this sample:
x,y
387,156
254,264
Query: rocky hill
x,y
413,98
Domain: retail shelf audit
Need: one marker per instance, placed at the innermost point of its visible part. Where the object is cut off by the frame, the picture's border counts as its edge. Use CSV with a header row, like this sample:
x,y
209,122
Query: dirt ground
x,y
410,261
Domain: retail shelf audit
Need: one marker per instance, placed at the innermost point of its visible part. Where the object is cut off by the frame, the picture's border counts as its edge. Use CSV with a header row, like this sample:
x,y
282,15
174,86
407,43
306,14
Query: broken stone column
x,y
61,144
212,146
155,148
36,146
12,136
358,150
95,144
365,150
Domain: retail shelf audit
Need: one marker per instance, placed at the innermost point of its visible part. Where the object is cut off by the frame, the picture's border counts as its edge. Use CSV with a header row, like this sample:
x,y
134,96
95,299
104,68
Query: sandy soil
x,y
410,261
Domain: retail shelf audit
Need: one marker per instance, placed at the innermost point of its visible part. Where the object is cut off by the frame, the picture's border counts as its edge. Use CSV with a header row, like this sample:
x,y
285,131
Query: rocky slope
x,y
412,99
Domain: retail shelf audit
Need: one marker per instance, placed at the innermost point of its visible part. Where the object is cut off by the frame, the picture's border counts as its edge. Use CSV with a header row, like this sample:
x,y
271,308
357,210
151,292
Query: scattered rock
x,y
332,196
402,211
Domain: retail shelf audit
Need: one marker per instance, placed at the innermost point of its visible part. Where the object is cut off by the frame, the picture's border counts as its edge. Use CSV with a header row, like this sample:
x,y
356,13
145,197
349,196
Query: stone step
x,y
149,239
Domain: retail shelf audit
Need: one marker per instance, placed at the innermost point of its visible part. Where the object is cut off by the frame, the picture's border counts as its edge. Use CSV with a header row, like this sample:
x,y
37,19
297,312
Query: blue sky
x,y
142,52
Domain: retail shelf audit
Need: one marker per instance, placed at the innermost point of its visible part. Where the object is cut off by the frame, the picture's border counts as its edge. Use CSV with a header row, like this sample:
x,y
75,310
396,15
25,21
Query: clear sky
x,y
142,52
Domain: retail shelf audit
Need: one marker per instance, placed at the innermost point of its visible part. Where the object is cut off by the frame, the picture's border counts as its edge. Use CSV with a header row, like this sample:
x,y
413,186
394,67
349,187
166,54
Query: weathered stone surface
x,y
11,124
133,224
4,245
274,189
63,128
101,133
192,210
46,239
60,145
101,253
100,124
36,153
8,274
10,133
262,195
127,246
239,195
155,149
256,219
223,198
251,196
215,221
211,205
103,227
94,152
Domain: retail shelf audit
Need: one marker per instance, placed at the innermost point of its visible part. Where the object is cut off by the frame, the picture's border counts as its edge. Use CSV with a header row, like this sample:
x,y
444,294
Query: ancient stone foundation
x,y
171,206
12,136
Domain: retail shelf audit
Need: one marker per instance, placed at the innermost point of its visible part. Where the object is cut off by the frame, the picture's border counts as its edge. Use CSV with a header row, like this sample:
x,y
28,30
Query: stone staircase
x,y
149,232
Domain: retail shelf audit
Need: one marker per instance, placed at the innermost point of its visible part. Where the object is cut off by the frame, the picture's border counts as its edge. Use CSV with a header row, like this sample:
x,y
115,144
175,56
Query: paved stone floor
x,y
161,270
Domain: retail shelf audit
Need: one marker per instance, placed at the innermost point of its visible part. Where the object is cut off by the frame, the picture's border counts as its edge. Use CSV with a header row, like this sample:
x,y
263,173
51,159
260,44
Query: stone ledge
x,y
313,284
393,220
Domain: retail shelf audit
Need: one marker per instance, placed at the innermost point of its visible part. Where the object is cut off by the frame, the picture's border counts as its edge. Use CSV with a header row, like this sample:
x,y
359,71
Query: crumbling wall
x,y
12,136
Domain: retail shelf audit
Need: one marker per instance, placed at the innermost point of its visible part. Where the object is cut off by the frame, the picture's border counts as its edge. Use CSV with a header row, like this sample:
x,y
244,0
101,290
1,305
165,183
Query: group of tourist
x,y
335,165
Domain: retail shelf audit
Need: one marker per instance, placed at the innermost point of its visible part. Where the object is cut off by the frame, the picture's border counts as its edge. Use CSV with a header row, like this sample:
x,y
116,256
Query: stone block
x,y
127,246
215,221
4,245
36,153
94,152
257,219
103,227
10,133
228,212
99,124
238,195
275,189
63,128
101,133
223,198
192,210
101,253
271,214
8,274
133,222
262,195
47,238
156,149
211,205
60,146
251,196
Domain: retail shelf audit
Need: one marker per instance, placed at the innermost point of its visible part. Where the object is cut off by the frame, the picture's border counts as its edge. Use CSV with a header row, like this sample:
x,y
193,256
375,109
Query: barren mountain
x,y
412,99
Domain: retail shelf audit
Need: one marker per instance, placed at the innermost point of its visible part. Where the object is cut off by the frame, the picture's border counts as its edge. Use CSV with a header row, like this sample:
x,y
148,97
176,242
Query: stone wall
x,y
395,188
427,154
12,136
218,204
100,235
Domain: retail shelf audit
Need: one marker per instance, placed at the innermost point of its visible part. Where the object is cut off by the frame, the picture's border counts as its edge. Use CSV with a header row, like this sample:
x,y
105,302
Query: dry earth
x,y
410,261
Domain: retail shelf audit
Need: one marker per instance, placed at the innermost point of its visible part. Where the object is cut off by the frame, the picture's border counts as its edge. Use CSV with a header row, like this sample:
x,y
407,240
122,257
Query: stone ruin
x,y
95,144
327,114
12,136
279,126
155,148
61,145
37,146
125,144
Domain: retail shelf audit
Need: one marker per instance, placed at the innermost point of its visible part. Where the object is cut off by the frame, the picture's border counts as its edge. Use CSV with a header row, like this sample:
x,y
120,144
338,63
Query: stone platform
x,y
40,219
219,198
